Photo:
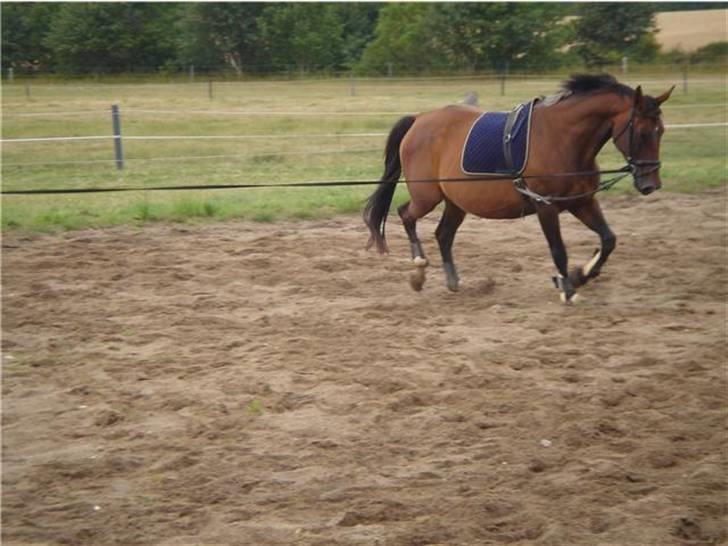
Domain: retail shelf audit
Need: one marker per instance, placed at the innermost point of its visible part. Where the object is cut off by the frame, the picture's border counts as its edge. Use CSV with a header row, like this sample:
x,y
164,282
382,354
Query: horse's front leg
x,y
548,216
591,216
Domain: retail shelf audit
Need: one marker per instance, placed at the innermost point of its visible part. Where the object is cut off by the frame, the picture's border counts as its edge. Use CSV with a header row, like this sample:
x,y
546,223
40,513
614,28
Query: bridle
x,y
650,165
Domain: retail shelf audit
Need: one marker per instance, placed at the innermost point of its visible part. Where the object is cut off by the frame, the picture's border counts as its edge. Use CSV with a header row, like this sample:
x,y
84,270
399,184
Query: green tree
x,y
213,35
403,40
493,35
24,27
466,36
359,20
308,36
112,37
607,31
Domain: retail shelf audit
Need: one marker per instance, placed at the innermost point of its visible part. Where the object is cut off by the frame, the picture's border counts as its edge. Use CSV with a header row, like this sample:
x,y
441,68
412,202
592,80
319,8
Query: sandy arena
x,y
275,384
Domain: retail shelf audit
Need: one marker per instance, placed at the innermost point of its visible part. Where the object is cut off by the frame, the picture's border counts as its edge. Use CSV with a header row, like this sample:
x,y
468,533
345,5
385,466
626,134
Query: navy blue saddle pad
x,y
484,152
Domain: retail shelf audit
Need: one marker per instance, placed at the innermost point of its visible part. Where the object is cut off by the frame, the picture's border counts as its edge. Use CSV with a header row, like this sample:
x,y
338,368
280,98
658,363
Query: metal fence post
x,y
353,84
116,123
192,72
503,78
685,78
11,75
209,89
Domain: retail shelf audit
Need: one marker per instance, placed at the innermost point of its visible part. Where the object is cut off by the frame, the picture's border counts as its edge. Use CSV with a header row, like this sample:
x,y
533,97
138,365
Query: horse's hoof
x,y
417,279
577,278
569,300
453,286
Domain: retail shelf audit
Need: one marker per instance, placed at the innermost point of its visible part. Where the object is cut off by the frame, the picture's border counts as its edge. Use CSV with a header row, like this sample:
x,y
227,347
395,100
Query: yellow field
x,y
690,30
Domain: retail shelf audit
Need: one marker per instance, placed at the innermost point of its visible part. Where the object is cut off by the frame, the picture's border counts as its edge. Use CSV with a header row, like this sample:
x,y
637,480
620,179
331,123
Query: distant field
x,y
300,128
689,30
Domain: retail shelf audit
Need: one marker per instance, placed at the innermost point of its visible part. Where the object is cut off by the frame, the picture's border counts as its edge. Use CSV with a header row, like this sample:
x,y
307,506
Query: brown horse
x,y
567,133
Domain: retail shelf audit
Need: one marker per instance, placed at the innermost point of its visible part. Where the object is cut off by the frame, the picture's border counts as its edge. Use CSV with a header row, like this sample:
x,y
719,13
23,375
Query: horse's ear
x,y
666,95
638,98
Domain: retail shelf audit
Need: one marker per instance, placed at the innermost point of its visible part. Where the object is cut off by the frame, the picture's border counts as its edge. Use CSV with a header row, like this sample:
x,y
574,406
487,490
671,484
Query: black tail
x,y
377,207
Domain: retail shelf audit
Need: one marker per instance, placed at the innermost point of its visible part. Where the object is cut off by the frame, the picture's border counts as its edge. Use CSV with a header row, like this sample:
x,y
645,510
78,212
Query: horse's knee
x,y
609,241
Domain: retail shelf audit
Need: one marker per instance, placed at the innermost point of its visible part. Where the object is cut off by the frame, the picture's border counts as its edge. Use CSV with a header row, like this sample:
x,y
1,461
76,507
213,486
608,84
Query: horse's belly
x,y
488,199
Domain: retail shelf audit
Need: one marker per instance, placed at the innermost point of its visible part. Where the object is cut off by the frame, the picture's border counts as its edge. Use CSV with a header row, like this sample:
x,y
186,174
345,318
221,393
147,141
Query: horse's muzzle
x,y
648,184
646,175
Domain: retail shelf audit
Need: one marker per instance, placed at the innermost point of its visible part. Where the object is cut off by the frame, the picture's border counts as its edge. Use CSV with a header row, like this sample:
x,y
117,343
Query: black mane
x,y
588,83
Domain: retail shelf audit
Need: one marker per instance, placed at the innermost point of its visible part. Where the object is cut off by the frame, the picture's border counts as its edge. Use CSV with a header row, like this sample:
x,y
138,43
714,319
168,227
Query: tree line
x,y
371,38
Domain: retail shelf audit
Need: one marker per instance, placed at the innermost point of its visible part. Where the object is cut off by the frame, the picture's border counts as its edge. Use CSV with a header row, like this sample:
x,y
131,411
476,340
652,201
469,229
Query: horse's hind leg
x,y
409,213
451,219
591,216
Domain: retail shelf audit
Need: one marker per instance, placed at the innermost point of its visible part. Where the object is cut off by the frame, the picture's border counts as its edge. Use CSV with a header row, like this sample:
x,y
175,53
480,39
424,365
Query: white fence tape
x,y
272,136
193,137
195,157
275,112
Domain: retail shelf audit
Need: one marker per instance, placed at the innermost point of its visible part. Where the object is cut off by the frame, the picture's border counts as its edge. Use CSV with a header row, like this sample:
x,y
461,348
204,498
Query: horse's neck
x,y
589,123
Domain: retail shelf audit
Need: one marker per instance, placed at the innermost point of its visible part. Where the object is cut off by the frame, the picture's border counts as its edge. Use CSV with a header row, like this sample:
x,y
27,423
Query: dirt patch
x,y
261,384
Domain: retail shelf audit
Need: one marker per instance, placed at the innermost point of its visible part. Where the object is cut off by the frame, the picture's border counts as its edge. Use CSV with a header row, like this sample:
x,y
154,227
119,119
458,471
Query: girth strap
x,y
508,136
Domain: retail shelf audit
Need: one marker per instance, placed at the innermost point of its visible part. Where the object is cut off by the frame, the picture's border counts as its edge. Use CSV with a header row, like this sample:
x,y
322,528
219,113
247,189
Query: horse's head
x,y
638,138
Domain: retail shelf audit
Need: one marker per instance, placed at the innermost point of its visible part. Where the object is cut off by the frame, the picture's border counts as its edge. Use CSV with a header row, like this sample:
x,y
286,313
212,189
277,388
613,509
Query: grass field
x,y
304,124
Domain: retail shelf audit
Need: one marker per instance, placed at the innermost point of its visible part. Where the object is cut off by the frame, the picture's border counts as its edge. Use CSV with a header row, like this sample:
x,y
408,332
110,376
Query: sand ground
x,y
242,383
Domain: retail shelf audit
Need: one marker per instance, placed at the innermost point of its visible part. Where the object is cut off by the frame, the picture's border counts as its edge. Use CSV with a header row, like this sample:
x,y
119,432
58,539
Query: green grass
x,y
693,159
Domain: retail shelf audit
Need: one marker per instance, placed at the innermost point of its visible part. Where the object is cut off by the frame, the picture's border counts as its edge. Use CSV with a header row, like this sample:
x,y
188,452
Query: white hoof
x,y
571,301
417,279
419,261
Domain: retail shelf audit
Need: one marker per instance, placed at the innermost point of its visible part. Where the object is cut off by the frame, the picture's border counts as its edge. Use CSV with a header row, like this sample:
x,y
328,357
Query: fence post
x,y
503,79
390,70
11,74
624,64
685,78
192,73
116,123
209,89
27,91
353,84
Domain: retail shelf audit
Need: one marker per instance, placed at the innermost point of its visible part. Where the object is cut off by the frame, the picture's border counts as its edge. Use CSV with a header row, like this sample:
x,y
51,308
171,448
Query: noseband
x,y
650,165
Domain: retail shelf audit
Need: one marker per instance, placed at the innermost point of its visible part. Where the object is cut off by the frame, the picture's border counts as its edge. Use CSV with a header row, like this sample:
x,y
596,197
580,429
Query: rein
x,y
624,171
520,185
519,182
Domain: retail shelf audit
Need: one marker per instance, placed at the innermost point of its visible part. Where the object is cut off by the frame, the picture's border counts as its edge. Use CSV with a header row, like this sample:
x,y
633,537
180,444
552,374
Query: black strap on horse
x,y
508,136
521,187
633,163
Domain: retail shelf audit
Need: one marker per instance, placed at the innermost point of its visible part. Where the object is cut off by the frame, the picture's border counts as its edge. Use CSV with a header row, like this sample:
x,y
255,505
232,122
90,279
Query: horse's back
x,y
435,140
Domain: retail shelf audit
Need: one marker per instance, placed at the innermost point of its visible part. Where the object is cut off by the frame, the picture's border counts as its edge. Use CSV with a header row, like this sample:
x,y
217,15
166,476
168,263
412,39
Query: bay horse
x,y
567,133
